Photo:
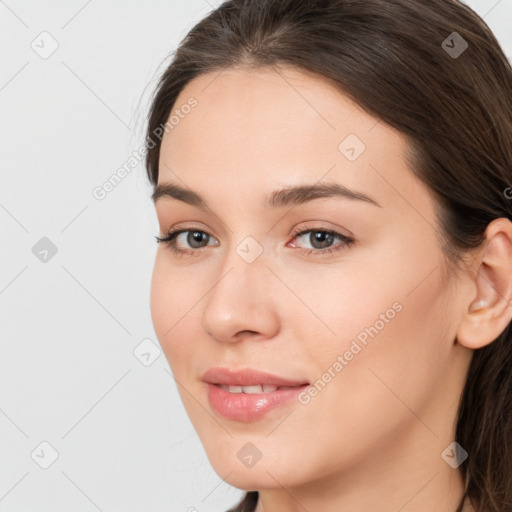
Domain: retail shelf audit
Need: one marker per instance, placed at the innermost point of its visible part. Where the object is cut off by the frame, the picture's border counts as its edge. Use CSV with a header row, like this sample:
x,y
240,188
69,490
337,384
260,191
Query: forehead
x,y
258,105
259,129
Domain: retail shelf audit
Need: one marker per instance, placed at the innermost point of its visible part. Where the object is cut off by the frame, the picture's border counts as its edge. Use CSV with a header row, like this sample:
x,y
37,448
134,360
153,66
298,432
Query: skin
x,y
372,438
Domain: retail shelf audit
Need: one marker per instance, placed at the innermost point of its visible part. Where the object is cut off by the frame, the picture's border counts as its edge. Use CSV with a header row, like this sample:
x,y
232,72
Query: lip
x,y
243,406
247,377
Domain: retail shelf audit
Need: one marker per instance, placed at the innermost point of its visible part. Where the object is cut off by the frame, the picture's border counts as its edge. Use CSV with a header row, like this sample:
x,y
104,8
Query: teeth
x,y
265,388
252,389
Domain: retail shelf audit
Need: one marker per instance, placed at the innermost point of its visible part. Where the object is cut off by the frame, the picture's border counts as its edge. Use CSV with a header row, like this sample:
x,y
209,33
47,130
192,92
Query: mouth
x,y
248,395
255,389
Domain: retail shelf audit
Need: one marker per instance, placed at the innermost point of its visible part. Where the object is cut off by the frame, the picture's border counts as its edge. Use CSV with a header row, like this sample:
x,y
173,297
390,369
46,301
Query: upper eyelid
x,y
296,231
302,231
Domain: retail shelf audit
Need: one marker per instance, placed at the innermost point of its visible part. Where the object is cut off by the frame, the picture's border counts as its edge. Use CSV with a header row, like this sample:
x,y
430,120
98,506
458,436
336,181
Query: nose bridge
x,y
247,256
239,299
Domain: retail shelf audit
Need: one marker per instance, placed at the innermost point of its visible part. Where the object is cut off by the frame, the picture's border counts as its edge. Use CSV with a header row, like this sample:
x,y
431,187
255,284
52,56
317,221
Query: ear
x,y
489,310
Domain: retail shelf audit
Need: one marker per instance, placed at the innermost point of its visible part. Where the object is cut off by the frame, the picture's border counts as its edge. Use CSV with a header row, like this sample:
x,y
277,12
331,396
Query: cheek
x,y
172,301
160,299
390,342
397,363
382,309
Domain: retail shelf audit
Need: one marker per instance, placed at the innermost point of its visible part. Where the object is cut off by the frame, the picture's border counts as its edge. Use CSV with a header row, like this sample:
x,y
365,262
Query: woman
x,y
333,282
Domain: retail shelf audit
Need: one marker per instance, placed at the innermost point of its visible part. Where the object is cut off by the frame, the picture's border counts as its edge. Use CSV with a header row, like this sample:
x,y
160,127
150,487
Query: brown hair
x,y
397,59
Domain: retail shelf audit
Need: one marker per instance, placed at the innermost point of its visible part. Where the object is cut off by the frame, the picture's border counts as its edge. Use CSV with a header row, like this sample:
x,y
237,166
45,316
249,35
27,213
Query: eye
x,y
195,238
321,240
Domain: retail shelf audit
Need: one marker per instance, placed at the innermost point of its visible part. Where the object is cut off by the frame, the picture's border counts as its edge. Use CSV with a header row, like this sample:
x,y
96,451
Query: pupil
x,y
322,237
195,236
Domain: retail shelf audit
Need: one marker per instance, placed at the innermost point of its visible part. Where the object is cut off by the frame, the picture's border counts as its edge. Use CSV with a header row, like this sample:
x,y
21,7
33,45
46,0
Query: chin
x,y
266,473
253,479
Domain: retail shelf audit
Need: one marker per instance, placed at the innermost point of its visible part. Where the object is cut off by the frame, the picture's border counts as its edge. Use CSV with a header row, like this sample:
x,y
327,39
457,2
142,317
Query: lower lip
x,y
249,407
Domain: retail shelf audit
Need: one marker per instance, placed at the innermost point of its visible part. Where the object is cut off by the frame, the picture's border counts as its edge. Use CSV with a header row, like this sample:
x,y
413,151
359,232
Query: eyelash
x,y
346,241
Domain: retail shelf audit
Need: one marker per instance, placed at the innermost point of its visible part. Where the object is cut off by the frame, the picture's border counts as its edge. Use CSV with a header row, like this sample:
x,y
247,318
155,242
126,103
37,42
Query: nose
x,y
239,305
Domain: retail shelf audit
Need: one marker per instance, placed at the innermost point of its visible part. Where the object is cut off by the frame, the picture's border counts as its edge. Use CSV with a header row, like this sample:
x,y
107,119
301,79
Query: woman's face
x,y
338,285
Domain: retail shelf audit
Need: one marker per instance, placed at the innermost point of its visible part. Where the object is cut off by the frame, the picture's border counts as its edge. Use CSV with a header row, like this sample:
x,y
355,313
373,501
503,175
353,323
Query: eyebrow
x,y
278,199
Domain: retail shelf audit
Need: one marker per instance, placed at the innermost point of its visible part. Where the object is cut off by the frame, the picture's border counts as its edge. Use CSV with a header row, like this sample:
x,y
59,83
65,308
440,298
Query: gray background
x,y
80,366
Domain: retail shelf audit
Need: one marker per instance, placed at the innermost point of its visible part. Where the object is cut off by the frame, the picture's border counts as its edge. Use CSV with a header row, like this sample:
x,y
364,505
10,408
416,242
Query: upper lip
x,y
247,377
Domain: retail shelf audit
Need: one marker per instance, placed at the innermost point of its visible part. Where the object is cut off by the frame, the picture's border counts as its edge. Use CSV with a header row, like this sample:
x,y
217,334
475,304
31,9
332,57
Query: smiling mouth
x,y
248,394
251,402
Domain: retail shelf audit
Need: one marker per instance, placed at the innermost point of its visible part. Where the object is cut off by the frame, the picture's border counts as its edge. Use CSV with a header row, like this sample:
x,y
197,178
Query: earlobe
x,y
490,308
